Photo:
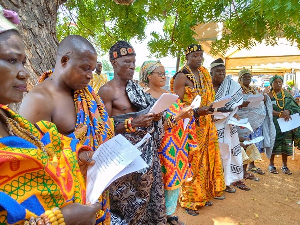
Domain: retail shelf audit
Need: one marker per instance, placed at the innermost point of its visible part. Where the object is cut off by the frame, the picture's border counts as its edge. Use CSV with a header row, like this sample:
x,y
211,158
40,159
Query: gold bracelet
x,y
280,114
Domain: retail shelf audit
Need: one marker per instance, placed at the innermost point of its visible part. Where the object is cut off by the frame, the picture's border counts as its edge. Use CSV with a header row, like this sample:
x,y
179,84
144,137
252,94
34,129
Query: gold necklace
x,y
248,90
277,99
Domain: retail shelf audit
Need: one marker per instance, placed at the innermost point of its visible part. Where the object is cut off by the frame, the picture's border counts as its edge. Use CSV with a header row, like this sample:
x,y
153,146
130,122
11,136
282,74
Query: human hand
x,y
157,116
286,115
245,104
78,214
85,159
236,116
144,120
204,110
186,112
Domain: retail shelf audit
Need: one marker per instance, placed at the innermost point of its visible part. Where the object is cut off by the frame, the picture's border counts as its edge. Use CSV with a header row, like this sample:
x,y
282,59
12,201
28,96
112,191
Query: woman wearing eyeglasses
x,y
176,144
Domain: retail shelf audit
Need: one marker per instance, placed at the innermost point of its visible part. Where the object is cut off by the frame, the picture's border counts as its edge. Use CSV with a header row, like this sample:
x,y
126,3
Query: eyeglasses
x,y
160,74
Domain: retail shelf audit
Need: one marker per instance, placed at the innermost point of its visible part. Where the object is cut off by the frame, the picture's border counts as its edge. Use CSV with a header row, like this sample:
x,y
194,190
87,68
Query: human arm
x,y
37,106
184,113
144,120
77,214
106,93
179,85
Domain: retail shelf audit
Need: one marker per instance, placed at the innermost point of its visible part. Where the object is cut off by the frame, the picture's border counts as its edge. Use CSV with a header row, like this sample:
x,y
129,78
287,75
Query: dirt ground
x,y
274,200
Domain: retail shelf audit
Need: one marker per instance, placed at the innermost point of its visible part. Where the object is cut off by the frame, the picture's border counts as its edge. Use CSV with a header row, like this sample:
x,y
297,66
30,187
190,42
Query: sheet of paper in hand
x,y
255,100
114,158
289,125
195,104
221,102
163,103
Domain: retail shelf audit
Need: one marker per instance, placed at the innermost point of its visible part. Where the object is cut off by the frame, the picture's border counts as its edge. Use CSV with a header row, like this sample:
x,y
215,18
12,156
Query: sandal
x,y
286,170
256,170
172,219
209,203
222,197
230,189
272,169
251,176
192,212
241,185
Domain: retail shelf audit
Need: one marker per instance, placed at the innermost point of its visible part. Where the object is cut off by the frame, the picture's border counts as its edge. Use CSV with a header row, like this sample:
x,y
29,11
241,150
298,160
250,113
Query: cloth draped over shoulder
x,y
261,121
138,198
93,127
31,180
208,178
291,105
227,134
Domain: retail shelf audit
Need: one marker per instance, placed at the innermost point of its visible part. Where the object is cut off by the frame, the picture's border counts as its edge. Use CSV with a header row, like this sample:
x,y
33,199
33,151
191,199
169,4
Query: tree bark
x,y
38,29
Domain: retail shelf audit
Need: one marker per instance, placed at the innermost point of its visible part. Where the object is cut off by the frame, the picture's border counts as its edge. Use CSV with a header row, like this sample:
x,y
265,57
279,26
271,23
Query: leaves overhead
x,y
245,22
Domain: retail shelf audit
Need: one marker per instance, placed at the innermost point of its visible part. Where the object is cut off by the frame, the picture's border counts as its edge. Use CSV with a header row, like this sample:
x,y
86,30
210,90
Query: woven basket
x,y
124,2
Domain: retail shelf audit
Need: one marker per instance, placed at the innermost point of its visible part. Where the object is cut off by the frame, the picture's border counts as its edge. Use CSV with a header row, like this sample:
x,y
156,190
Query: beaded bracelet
x,y
171,121
50,217
132,129
128,125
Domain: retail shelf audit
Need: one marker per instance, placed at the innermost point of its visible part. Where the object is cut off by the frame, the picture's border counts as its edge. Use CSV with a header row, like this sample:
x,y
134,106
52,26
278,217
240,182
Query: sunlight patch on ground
x,y
224,221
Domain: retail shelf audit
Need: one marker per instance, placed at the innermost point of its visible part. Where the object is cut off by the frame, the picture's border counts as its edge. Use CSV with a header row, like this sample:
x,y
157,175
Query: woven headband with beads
x,y
122,52
193,48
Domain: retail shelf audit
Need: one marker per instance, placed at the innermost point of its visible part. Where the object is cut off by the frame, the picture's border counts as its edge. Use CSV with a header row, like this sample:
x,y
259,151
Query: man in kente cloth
x,y
64,98
137,198
208,180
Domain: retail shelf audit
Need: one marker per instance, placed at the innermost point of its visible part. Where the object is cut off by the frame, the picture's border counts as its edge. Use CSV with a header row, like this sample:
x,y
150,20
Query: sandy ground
x,y
274,200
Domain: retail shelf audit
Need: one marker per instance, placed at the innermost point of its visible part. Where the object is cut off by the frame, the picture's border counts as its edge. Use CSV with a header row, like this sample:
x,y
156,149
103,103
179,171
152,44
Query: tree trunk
x,y
38,29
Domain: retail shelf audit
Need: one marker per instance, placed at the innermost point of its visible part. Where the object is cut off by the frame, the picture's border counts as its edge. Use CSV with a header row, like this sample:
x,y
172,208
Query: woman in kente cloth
x,y
208,178
284,106
40,179
177,142
260,119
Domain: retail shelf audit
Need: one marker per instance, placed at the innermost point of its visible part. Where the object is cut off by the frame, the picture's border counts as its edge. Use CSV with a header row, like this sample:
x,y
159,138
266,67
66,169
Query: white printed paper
x,y
240,123
255,100
195,104
221,102
289,125
253,141
163,103
111,158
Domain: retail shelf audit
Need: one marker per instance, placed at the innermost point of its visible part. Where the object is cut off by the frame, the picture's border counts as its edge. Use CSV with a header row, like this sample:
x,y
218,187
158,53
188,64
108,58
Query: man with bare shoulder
x,y
137,198
208,181
64,98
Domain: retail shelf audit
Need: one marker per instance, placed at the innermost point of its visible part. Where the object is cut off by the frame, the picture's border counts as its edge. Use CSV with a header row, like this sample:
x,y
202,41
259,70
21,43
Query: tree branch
x,y
237,13
172,37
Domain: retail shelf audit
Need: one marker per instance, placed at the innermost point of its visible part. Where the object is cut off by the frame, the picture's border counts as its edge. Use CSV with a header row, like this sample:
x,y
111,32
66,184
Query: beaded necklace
x,y
277,99
248,90
14,129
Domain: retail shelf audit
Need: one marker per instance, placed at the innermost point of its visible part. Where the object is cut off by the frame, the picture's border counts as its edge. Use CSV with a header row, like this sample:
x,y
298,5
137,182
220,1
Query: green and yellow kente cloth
x,y
31,179
208,178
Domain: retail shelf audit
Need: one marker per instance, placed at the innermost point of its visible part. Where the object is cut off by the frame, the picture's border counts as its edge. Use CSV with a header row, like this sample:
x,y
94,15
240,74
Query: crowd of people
x,y
194,154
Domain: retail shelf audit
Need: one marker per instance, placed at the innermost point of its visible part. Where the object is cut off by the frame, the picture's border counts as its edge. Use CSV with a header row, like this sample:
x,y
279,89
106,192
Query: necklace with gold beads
x,y
279,99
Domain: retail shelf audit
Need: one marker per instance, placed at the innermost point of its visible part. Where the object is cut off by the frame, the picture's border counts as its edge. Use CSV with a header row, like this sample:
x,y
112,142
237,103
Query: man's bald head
x,y
74,44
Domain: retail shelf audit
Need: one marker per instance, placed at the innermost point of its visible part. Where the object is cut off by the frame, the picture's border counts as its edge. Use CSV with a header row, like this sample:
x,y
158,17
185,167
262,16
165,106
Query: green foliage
x,y
137,69
291,83
245,22
106,65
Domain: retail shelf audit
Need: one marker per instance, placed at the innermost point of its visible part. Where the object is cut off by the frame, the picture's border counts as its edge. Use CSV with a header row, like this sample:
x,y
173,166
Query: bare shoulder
x,y
180,76
40,94
38,104
107,90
